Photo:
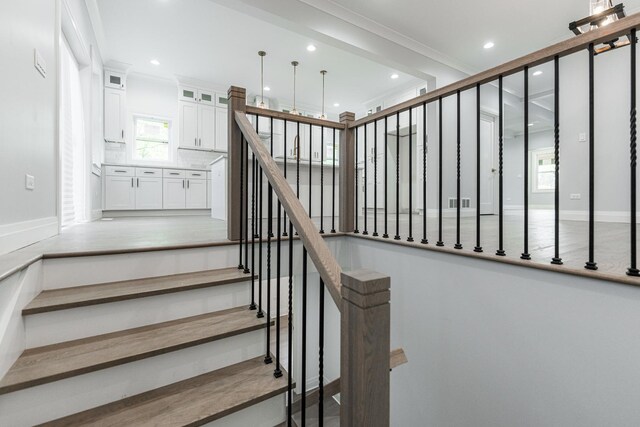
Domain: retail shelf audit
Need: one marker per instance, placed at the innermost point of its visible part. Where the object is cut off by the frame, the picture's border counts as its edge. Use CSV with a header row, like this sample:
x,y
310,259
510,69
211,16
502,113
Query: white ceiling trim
x,y
349,16
98,28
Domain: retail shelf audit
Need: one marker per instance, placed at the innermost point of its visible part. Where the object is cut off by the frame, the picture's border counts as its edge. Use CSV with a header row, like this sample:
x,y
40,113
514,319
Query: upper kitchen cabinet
x,y
206,127
188,94
114,115
221,129
114,79
206,97
222,100
188,125
203,119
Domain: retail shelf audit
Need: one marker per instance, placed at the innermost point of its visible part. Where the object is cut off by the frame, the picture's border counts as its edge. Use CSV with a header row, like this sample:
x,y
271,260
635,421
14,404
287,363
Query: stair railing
x,y
362,297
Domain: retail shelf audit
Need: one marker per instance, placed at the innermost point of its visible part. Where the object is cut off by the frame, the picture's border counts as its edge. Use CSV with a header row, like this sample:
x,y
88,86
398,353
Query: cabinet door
x,y
120,193
114,115
221,129
148,193
188,94
114,80
188,125
206,97
173,193
196,194
206,127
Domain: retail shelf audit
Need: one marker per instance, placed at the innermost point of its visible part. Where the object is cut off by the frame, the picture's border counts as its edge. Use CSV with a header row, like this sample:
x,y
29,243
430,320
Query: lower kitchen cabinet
x,y
120,193
196,195
174,193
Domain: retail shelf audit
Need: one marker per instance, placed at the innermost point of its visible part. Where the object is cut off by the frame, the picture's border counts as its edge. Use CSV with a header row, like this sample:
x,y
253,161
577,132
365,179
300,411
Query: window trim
x,y
132,151
533,155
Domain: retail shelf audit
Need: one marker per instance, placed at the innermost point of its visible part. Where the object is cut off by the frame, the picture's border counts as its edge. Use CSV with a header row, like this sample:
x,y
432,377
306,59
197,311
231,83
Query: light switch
x,y
575,196
29,182
38,62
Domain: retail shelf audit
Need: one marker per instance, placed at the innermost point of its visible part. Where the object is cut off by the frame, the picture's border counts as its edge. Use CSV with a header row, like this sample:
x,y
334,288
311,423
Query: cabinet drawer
x,y
173,173
197,174
148,172
120,171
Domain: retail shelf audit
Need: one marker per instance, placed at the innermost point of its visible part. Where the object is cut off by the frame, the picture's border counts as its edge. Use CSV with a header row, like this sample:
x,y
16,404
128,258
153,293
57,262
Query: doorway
x,y
487,164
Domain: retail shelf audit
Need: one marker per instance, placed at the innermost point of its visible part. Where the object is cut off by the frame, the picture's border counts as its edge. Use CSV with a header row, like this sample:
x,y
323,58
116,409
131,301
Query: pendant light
x,y
262,54
294,111
323,115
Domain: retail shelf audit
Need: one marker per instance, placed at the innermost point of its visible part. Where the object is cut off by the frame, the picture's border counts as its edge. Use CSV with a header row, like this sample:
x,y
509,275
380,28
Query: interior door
x,y
206,127
148,193
196,194
487,164
188,125
173,195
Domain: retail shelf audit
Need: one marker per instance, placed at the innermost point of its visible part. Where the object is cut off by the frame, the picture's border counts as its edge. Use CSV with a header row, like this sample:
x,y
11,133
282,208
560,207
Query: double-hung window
x,y
151,141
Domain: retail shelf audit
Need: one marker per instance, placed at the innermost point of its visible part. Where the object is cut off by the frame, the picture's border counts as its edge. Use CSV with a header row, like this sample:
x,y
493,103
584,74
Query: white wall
x,y
28,122
498,345
155,97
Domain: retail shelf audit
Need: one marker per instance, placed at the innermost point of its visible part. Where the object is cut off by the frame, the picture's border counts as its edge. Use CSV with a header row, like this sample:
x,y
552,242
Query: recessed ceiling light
x,y
336,104
537,73
394,76
488,45
311,48
155,62
267,88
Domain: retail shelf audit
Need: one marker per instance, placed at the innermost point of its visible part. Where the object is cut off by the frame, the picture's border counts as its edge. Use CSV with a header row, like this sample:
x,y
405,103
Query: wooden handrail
x,y
317,249
569,46
293,117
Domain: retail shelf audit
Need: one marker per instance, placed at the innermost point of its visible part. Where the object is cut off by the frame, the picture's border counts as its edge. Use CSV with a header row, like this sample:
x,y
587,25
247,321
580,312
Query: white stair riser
x,y
65,325
269,413
65,397
89,270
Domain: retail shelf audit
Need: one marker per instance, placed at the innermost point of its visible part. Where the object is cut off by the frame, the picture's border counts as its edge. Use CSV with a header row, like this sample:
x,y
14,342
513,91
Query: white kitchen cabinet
x,y
114,79
188,124
187,93
221,129
206,97
120,193
114,115
196,194
148,192
206,127
222,100
173,193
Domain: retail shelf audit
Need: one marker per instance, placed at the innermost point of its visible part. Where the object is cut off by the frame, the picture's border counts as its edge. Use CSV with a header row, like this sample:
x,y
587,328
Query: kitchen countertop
x,y
133,165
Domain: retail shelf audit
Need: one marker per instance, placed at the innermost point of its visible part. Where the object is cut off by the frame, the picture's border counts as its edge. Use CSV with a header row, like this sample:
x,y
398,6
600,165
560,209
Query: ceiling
x,y
207,41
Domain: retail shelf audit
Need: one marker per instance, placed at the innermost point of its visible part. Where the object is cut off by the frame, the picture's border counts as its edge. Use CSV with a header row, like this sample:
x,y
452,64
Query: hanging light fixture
x,y
602,12
262,54
294,111
323,115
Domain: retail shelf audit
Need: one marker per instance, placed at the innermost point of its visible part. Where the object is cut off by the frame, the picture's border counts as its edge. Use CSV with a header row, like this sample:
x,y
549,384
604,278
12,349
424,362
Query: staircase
x,y
175,350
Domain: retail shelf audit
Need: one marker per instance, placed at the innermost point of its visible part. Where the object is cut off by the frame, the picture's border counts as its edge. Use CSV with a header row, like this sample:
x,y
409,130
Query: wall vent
x,y
453,203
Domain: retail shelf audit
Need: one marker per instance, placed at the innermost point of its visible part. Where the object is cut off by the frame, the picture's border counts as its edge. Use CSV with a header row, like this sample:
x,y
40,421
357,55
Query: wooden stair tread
x,y
191,402
63,360
80,296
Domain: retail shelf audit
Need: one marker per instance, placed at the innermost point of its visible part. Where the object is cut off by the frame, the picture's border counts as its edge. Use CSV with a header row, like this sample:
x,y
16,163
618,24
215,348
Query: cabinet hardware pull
x,y
120,171
138,182
131,182
122,133
148,172
183,183
174,173
195,141
187,183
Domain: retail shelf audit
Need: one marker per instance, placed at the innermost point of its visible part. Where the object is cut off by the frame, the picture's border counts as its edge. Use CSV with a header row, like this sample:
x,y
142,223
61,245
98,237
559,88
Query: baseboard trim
x,y
96,214
20,234
163,212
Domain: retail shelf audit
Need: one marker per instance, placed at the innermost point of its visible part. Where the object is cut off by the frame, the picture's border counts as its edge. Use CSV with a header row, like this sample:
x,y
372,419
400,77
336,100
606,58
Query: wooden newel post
x,y
365,345
237,97
347,173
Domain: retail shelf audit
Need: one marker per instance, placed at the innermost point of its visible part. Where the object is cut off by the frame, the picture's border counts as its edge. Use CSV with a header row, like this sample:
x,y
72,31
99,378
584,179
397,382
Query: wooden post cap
x,y
347,116
365,288
237,92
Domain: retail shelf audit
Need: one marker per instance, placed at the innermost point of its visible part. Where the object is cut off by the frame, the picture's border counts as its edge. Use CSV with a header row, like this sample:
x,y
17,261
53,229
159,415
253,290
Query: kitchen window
x,y
151,141
543,170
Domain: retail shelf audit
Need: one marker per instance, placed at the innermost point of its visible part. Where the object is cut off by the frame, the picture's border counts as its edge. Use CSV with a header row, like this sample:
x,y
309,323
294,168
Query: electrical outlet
x,y
582,137
29,182
574,196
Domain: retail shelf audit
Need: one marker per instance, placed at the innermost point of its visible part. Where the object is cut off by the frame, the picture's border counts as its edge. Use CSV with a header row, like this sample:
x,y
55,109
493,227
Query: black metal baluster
x,y
240,265
410,238
321,179
556,145
397,236
269,184
267,357
303,368
458,245
424,174
364,186
478,247
321,356
254,186
633,270
277,371
591,264
440,113
525,254
245,160
290,331
333,185
260,276
375,178
355,230
500,251
297,148
285,164
386,181
310,164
